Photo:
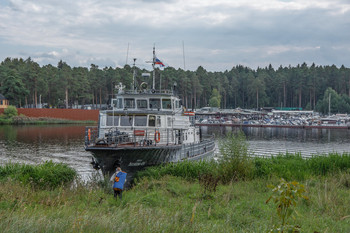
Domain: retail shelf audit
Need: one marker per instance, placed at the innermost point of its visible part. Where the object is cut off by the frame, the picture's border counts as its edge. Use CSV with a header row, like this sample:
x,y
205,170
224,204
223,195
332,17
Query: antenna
x,y
133,77
153,65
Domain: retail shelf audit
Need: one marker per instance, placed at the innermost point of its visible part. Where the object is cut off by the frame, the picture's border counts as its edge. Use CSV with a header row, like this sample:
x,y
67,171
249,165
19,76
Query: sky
x,y
214,34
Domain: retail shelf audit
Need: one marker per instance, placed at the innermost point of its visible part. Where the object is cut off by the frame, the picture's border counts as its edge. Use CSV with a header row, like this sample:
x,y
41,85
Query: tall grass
x,y
169,204
186,169
295,167
47,175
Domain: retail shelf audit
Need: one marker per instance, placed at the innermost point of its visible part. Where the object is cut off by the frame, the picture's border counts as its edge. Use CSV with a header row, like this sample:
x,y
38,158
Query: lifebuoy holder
x,y
157,136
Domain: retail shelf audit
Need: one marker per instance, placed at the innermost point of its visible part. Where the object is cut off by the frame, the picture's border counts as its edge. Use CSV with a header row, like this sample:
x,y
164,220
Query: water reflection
x,y
271,141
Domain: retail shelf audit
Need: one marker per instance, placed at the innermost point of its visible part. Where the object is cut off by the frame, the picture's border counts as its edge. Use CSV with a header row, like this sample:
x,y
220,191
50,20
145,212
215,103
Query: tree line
x,y
25,82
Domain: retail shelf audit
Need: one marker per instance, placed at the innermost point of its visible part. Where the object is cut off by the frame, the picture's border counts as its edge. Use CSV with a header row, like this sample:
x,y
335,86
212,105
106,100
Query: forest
x,y
310,87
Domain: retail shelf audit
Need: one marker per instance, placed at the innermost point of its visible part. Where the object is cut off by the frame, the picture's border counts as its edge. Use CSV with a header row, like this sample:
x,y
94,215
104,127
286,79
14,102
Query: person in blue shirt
x,y
118,179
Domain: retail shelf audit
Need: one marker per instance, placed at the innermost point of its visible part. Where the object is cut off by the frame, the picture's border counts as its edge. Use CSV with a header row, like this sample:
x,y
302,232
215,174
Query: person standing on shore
x,y
118,179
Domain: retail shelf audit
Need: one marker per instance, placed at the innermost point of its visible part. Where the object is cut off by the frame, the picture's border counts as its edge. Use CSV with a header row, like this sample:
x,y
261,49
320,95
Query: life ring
x,y
157,136
89,134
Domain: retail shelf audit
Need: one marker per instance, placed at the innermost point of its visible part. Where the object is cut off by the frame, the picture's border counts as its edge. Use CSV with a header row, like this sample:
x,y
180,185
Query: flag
x,y
159,62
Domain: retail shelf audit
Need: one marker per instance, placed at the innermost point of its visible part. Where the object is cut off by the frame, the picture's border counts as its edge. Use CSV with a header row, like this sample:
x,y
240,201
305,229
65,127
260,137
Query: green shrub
x,y
235,162
10,112
47,175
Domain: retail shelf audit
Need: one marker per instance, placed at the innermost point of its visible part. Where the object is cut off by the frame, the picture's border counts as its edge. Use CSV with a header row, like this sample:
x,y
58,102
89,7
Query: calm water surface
x,y
62,143
308,142
36,144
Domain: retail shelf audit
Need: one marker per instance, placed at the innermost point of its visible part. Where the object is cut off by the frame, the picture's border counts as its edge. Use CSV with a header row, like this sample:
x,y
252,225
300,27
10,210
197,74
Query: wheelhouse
x,y
134,102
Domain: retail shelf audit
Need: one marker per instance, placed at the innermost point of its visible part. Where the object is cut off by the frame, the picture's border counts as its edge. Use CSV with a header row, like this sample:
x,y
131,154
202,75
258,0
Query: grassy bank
x,y
171,204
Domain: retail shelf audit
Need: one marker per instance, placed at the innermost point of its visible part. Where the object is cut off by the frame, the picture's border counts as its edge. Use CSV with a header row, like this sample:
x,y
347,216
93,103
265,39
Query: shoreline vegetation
x,y
232,194
11,117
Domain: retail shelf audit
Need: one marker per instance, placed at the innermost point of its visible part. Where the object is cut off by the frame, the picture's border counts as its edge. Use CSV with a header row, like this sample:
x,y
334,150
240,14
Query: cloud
x,y
217,34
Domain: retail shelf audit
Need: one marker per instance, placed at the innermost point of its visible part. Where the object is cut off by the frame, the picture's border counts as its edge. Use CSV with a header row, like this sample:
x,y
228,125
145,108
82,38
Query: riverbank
x,y
171,198
172,204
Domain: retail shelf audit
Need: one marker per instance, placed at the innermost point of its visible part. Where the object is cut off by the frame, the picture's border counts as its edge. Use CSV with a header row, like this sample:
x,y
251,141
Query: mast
x,y
133,77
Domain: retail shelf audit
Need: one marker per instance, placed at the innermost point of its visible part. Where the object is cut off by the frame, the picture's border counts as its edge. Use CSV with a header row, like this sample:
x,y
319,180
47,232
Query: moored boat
x,y
145,127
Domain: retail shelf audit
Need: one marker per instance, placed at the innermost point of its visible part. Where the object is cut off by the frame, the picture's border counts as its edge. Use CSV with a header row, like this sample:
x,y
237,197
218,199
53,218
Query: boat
x,y
145,127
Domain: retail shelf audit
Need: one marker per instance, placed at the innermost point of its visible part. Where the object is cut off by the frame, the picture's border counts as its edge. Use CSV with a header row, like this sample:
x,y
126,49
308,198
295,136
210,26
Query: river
x,y
65,143
271,141
36,144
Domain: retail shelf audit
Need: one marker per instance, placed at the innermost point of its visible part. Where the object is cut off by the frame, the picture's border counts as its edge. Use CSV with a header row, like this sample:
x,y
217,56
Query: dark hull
x,y
133,159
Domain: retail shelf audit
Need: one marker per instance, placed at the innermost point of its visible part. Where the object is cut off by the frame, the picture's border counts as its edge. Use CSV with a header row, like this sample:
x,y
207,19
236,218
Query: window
x,y
126,121
129,103
158,121
112,120
114,103
0,102
140,120
152,121
141,103
154,103
120,103
166,103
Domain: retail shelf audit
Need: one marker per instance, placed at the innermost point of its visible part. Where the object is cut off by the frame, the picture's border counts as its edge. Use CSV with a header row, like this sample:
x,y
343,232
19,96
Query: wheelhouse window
x,y
112,120
140,120
126,121
129,103
154,103
115,103
166,103
151,121
141,103
119,103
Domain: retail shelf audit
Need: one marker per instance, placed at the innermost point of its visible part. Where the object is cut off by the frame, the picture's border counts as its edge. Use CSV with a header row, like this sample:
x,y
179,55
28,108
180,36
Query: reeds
x,y
295,167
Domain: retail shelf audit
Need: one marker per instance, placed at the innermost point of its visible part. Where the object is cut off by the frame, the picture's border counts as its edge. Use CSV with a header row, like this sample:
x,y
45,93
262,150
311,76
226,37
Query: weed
x,y
209,183
285,196
235,163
